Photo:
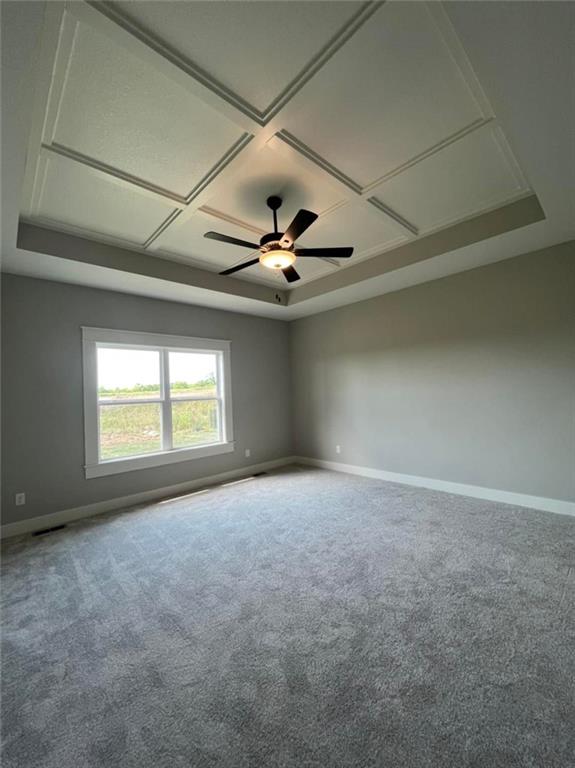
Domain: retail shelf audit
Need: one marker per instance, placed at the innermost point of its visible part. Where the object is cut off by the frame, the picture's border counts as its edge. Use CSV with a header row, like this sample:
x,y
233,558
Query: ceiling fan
x,y
277,249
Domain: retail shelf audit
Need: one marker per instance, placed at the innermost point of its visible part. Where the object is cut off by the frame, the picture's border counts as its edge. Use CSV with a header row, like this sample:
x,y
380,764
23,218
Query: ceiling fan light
x,y
277,259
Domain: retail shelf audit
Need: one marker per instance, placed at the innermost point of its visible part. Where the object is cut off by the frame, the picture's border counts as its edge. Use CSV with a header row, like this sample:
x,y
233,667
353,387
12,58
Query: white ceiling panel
x,y
76,197
187,240
391,92
272,173
124,113
253,49
472,174
368,231
311,269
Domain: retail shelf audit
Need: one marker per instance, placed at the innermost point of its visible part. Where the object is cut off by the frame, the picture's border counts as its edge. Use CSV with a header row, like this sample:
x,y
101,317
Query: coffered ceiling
x,y
158,121
154,122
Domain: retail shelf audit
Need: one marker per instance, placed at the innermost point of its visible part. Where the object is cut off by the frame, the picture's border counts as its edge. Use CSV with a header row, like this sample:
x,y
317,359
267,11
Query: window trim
x,y
91,337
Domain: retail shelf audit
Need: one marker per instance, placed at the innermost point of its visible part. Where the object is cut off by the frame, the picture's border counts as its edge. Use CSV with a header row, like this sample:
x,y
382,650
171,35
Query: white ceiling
x,y
465,177
100,206
253,50
153,122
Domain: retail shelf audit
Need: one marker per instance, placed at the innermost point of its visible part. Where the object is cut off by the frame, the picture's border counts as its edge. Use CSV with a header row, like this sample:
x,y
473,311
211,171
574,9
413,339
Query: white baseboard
x,y
476,491
88,510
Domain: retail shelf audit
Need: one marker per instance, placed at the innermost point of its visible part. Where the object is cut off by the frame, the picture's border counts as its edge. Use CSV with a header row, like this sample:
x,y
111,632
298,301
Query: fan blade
x,y
303,220
290,274
231,240
237,268
325,253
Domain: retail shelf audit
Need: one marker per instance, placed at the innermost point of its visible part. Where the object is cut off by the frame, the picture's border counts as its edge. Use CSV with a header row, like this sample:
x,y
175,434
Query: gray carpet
x,y
304,618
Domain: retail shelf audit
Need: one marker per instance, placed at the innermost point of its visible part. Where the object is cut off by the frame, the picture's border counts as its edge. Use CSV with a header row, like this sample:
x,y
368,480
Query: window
x,y
151,399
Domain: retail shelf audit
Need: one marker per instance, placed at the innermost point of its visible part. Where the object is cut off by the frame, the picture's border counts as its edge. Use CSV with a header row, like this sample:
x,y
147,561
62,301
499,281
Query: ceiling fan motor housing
x,y
272,241
277,258
272,254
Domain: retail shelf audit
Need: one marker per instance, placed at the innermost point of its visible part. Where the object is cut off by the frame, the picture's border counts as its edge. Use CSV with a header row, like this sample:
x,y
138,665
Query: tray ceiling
x,y
156,122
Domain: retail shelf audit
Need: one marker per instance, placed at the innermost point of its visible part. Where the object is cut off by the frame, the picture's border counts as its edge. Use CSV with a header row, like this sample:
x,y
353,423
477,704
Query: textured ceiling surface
x,y
158,121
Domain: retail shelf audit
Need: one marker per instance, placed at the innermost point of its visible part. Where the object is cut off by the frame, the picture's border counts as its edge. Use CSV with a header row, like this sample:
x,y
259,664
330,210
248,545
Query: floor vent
x,y
48,530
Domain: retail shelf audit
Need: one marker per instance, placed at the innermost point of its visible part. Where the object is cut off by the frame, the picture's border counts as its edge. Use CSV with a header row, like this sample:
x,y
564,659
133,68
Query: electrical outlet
x,y
338,448
248,453
20,499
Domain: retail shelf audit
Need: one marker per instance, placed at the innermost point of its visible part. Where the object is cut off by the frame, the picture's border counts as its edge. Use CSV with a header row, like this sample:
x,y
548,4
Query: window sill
x,y
117,466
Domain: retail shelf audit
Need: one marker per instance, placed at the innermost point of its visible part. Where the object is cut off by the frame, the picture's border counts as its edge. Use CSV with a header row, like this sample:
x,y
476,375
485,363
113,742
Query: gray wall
x,y
42,411
469,379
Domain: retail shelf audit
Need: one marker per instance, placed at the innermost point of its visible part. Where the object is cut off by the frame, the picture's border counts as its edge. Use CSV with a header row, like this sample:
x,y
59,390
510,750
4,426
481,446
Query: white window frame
x,y
92,338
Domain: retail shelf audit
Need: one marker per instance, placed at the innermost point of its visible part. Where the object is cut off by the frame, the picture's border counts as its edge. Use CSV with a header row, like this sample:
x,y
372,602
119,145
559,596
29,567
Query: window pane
x,y
129,430
193,373
128,373
195,422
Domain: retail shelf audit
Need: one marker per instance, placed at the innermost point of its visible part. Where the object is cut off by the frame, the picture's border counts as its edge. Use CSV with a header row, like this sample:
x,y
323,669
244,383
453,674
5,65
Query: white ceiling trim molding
x,y
45,76
261,117
196,191
365,12
493,133
378,205
474,126
223,163
309,154
115,174
238,158
257,131
174,63
157,233
222,216
141,185
152,52
300,153
457,51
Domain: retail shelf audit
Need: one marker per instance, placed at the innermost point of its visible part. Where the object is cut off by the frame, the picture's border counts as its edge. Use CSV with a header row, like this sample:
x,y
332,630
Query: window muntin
x,y
149,403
